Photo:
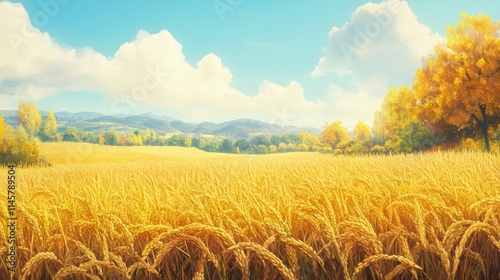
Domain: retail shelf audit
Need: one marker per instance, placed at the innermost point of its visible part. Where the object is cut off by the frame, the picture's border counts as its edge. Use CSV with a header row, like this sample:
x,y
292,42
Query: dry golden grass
x,y
174,213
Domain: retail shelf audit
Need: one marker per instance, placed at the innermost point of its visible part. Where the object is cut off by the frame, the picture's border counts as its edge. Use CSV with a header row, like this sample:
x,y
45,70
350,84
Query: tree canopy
x,y
29,117
460,82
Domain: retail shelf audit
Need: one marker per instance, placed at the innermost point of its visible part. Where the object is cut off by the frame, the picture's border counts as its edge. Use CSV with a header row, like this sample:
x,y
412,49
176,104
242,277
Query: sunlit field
x,y
105,212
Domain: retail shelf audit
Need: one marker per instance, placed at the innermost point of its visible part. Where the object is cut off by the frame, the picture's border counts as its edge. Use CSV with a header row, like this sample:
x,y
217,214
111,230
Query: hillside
x,y
91,121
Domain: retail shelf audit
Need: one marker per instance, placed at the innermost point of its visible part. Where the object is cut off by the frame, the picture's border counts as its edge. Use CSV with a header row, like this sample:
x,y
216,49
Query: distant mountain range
x,y
92,121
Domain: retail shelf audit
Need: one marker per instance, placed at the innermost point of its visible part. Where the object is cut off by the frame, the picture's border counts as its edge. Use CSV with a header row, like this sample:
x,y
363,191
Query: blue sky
x,y
257,59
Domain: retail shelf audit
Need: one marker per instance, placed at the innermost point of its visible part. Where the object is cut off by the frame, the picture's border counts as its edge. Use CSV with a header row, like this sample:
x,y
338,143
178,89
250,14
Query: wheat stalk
x,y
264,255
32,265
408,264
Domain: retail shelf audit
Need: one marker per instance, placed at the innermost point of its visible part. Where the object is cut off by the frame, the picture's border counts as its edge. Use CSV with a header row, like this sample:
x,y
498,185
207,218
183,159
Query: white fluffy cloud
x,y
378,38
149,70
382,45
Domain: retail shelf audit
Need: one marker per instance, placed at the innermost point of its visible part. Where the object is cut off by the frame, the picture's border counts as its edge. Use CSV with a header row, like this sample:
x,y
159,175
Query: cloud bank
x,y
149,70
381,45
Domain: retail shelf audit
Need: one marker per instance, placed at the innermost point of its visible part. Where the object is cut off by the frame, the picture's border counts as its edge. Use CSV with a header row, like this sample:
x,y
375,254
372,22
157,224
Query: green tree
x,y
90,137
175,140
356,147
261,140
415,136
71,134
227,146
212,146
111,137
243,144
261,149
396,126
195,142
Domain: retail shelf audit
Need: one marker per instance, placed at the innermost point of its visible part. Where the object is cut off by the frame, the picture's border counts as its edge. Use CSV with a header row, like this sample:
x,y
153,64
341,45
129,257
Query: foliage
x,y
397,128
243,145
72,134
149,137
335,135
213,146
309,142
90,137
458,84
188,141
175,140
111,137
261,140
227,146
395,113
29,118
17,147
196,142
362,132
261,149
49,132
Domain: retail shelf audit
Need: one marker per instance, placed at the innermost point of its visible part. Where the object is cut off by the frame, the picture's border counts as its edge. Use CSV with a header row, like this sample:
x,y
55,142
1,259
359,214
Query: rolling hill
x,y
97,122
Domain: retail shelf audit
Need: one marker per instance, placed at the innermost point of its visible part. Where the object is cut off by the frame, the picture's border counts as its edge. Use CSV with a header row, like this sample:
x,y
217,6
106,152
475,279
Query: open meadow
x,y
105,212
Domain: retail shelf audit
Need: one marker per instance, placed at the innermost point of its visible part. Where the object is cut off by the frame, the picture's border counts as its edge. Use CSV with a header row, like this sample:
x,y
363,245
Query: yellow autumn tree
x,y
335,135
29,117
310,141
17,147
188,141
395,113
50,128
5,138
396,124
459,83
362,132
134,139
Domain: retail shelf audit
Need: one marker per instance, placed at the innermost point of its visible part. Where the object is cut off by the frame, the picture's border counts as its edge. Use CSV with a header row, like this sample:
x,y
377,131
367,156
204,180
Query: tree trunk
x,y
486,137
484,127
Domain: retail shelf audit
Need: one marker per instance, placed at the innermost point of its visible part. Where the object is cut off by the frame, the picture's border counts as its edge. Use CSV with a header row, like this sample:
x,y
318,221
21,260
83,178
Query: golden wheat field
x,y
105,212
